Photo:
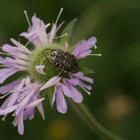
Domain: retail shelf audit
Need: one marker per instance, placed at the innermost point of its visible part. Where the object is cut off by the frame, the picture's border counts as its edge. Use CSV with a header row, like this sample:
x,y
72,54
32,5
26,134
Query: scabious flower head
x,y
48,67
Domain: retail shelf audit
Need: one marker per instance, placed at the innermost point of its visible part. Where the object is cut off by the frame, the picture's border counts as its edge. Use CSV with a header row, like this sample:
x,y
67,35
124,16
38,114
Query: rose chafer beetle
x,y
62,59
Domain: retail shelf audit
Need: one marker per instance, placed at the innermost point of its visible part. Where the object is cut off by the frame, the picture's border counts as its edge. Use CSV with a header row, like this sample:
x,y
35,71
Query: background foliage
x,y
115,98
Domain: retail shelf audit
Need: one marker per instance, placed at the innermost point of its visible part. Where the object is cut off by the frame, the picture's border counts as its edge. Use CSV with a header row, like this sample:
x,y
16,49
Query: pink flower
x,y
38,73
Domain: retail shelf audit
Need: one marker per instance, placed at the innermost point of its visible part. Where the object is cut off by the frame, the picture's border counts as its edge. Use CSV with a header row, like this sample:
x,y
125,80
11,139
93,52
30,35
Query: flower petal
x,y
7,72
52,33
82,49
54,80
14,51
66,90
8,110
77,96
81,76
40,109
40,68
35,103
60,101
20,46
20,124
8,87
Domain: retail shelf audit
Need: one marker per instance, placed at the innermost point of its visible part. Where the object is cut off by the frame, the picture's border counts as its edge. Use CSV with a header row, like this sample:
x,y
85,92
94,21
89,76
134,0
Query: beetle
x,y
63,60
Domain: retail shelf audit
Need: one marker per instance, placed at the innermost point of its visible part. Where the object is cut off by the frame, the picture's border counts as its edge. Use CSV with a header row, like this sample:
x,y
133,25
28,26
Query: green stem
x,y
90,120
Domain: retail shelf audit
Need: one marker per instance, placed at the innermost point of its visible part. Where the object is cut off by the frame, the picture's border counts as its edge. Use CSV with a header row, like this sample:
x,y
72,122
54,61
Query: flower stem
x,y
95,126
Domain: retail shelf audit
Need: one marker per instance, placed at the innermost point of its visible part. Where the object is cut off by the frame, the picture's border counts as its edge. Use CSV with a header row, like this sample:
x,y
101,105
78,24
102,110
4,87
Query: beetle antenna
x,y
44,56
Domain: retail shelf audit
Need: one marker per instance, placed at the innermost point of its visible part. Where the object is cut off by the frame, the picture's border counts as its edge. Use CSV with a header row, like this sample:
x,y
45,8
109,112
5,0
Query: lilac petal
x,y
8,110
32,36
14,51
35,103
10,62
52,33
84,85
54,95
8,87
4,105
40,109
16,92
4,62
31,115
20,125
7,72
90,80
20,46
82,49
25,101
84,54
10,49
40,68
60,101
28,113
37,33
13,98
66,91
28,81
77,96
17,61
41,30
81,76
54,80
78,74
72,81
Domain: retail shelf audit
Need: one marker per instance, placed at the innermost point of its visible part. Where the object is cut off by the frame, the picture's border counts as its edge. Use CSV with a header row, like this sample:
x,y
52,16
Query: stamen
x,y
27,43
85,90
47,25
25,12
60,26
5,95
13,114
95,46
96,54
59,15
62,35
3,119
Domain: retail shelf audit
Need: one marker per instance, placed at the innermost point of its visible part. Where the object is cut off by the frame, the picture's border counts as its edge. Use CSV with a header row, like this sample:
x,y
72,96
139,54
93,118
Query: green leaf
x,y
86,70
68,29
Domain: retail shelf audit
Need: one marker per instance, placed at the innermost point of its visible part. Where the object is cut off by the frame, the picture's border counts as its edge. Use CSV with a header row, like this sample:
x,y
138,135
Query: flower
x,y
23,98
41,70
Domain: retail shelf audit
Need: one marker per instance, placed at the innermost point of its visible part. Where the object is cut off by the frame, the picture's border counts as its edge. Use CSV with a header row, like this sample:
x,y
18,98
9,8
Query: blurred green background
x,y
115,99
